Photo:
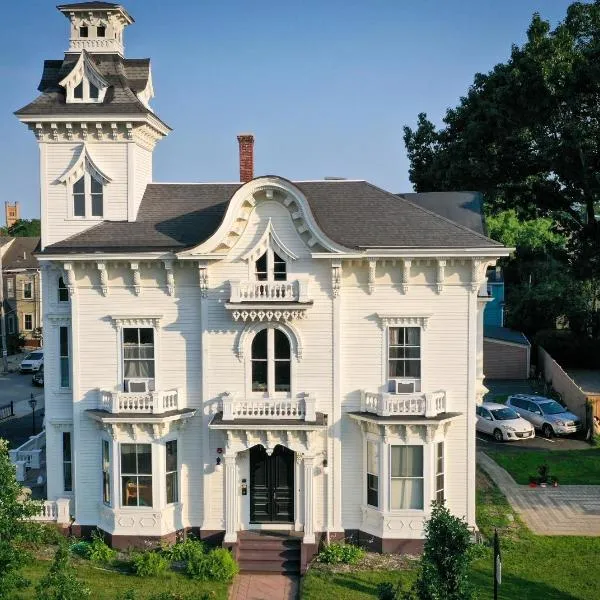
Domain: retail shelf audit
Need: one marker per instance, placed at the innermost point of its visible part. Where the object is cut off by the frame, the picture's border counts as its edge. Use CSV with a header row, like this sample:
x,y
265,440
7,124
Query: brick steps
x,y
260,553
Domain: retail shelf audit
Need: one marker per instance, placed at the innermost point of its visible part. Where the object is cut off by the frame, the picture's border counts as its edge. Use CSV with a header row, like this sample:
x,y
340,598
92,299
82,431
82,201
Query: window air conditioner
x,y
137,385
402,387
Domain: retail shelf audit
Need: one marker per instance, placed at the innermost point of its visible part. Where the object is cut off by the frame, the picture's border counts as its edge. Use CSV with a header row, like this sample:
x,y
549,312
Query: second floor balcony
x,y
149,403
424,404
271,409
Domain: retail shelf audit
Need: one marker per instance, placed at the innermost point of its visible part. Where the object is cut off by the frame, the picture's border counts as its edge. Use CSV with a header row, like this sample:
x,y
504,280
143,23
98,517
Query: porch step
x,y
268,553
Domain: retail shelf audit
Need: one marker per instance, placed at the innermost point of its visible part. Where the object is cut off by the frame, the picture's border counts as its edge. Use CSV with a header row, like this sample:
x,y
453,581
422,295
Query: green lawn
x,y
534,567
106,584
572,467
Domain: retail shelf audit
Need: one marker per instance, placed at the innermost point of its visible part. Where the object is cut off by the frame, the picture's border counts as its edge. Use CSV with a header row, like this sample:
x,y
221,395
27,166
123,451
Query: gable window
x,y
27,290
171,472
105,472
88,197
67,462
27,322
373,474
404,359
271,361
406,475
136,474
64,357
78,91
270,267
63,292
138,359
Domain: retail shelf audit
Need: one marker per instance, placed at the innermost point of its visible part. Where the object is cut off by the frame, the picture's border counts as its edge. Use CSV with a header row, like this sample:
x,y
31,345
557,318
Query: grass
x,y
533,567
571,467
107,584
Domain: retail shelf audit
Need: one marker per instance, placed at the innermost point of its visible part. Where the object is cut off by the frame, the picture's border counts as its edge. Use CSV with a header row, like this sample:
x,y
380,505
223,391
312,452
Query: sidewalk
x,y
264,586
565,510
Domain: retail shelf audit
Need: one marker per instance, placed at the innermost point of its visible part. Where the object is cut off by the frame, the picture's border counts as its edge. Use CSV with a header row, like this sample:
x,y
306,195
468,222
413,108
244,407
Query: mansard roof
x,y
354,214
126,77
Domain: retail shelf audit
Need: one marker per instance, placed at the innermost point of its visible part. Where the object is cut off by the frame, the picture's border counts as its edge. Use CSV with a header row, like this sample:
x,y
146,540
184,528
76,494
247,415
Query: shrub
x,y
183,551
81,549
127,595
61,583
149,564
347,554
99,551
217,565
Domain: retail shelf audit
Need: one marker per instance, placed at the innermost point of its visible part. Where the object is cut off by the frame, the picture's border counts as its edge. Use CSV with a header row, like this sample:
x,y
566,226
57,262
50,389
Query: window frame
x,y
64,358
10,324
28,290
270,391
270,273
25,315
137,475
66,461
106,464
10,288
387,378
88,197
62,288
439,470
374,442
151,381
174,473
424,463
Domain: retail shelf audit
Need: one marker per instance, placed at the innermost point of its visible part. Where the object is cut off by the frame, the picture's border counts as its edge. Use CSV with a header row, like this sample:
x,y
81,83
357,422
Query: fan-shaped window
x,y
271,267
271,361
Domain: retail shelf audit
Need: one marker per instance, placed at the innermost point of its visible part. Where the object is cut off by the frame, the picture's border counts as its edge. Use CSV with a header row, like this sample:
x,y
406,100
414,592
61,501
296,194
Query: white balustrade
x,y
156,402
427,404
303,409
29,455
55,511
269,291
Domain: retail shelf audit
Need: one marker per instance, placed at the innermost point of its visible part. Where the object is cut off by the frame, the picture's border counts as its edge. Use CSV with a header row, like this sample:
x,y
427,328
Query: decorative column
x,y
309,522
231,499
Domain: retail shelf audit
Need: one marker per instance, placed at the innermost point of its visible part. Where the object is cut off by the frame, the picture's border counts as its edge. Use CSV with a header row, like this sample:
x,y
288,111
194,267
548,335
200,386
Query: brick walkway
x,y
264,586
565,510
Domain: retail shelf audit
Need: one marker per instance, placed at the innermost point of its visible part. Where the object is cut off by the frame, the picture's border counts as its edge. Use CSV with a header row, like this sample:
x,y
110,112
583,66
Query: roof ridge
x,y
434,214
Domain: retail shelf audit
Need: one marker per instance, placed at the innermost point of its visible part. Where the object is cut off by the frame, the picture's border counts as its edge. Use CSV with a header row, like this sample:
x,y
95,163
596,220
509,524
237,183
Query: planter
x,y
532,484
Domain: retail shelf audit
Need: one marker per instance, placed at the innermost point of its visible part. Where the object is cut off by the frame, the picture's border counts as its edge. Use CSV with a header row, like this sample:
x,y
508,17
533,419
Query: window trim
x,y
436,473
10,288
60,288
87,177
25,328
67,462
423,478
62,356
176,471
123,506
28,285
377,444
107,471
151,381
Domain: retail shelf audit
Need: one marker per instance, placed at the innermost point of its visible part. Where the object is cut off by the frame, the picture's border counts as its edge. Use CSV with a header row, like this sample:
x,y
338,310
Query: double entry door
x,y
271,485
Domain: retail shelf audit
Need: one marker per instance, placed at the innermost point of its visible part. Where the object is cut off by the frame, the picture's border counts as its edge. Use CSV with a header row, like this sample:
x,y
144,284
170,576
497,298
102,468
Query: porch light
x,y
218,465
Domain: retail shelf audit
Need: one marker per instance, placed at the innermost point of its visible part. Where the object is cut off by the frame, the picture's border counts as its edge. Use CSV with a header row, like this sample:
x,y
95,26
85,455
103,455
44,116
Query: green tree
x,y
23,228
15,508
61,583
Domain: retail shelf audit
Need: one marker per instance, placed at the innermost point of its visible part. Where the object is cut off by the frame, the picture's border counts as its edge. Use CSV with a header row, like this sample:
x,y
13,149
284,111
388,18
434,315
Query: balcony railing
x,y
426,404
302,409
30,455
57,511
269,291
140,402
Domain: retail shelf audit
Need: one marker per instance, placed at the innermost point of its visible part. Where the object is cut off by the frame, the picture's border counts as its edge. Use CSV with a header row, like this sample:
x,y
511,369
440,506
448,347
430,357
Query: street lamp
x,y
33,404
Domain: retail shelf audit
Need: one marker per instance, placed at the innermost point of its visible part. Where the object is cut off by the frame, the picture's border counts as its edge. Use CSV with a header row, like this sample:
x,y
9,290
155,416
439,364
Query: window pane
x,y
373,490
439,482
282,345
78,205
128,462
144,453
78,91
261,267
63,293
67,477
279,268
101,31
64,372
96,186
93,91
259,375
145,491
372,458
79,186
171,448
413,336
138,369
407,461
412,368
105,487
259,345
396,336
66,445
282,376
83,32
172,492
407,494
130,490
97,205
64,341
146,335
130,336
396,368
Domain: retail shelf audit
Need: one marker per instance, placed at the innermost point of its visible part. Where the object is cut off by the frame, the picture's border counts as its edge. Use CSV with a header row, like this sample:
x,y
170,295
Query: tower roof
x,y
86,6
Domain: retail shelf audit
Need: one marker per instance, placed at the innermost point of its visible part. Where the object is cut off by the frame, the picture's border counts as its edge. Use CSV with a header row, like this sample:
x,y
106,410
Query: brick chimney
x,y
246,141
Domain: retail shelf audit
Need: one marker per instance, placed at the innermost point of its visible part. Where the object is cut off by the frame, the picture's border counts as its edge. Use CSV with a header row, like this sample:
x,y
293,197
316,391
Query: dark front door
x,y
271,485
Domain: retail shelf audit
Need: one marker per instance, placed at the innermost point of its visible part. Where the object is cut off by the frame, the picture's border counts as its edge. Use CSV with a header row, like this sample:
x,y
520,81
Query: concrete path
x,y
264,586
565,510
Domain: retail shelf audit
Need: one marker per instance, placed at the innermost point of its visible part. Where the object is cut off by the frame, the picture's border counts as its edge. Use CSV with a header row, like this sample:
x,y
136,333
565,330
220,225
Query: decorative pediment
x,y
84,72
395,320
283,314
269,239
84,161
246,335
120,321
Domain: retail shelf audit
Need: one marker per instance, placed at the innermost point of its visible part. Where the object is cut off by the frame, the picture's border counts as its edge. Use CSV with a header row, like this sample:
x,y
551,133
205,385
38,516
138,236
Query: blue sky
x,y
325,85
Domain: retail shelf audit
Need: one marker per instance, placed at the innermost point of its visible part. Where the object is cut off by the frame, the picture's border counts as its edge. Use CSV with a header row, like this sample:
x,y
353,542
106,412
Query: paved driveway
x,y
565,510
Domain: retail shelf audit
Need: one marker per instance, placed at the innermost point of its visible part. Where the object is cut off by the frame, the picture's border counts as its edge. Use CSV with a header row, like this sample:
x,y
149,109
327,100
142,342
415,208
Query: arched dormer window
x,y
85,184
84,83
271,360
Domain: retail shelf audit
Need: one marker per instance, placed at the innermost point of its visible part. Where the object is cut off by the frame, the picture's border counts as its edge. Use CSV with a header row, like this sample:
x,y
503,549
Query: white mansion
x,y
303,356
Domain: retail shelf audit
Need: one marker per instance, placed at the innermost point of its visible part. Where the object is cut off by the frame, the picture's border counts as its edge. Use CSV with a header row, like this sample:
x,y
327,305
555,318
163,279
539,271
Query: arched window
x,y
88,196
271,361
270,267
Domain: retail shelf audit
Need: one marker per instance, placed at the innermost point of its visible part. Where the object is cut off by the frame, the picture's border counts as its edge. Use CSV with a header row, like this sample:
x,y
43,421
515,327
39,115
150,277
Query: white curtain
x,y
406,477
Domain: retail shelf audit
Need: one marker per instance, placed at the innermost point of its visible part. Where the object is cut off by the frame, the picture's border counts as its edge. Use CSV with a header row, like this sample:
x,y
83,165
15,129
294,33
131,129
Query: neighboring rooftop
x,y
465,208
504,334
20,254
355,214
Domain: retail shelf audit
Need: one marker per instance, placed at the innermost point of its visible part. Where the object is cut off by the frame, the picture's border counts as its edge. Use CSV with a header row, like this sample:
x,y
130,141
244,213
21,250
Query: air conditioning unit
x,y
402,386
137,385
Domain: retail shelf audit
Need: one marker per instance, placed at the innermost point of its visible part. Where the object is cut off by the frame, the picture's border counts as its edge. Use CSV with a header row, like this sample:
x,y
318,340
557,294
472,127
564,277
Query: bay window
x,y
106,496
406,477
439,472
172,479
136,474
373,474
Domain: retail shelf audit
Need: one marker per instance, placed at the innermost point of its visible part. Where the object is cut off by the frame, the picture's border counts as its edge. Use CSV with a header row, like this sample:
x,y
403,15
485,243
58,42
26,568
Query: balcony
x,y
269,300
425,404
146,403
300,409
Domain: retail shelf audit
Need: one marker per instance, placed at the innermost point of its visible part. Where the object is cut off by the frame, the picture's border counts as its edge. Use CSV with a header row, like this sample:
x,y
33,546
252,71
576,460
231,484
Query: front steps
x,y
268,552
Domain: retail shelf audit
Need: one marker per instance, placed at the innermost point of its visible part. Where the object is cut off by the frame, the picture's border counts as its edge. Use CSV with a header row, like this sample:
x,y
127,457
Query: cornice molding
x,y
399,320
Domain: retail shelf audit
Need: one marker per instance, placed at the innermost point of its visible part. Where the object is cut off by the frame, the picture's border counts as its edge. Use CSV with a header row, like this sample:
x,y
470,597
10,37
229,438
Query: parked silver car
x,y
502,422
545,414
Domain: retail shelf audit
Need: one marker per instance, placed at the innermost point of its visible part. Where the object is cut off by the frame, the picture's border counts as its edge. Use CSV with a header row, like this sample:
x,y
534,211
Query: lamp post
x,y
33,404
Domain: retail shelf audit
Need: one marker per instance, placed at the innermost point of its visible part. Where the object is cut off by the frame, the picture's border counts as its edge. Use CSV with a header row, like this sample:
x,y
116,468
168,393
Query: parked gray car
x,y
545,414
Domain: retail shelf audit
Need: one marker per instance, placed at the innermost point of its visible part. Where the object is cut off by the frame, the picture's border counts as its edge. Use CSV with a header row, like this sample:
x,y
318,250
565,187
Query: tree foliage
x,y
61,583
23,228
15,508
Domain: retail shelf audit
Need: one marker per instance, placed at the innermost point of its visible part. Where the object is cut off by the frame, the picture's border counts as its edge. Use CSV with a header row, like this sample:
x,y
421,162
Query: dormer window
x,y
270,267
78,91
101,31
84,83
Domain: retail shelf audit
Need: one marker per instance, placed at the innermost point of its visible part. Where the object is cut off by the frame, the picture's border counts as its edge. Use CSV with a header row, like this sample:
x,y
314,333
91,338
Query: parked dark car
x,y
38,378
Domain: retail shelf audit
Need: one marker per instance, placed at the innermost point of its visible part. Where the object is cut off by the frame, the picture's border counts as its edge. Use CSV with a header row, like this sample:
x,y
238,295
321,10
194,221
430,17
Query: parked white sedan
x,y
503,422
